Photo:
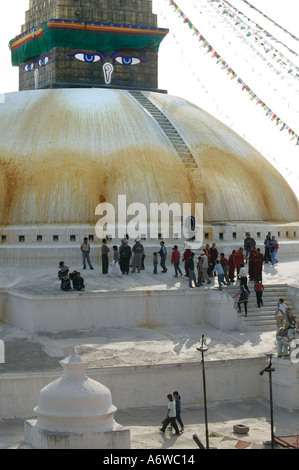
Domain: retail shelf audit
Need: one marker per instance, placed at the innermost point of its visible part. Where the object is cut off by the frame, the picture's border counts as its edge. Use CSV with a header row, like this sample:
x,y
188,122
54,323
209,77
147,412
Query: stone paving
x,y
176,343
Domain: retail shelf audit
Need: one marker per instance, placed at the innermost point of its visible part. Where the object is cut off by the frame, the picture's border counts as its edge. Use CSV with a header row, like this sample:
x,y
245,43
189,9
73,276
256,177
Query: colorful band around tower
x,y
84,35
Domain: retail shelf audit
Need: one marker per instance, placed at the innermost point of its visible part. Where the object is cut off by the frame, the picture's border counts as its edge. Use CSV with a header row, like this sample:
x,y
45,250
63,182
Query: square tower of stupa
x,y
95,43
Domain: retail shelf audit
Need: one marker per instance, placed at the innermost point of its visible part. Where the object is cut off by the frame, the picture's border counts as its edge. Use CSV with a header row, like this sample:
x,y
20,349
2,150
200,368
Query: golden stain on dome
x,y
64,151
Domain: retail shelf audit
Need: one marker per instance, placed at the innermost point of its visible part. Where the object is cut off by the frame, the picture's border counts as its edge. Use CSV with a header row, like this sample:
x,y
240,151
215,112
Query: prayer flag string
x,y
235,18
230,72
265,16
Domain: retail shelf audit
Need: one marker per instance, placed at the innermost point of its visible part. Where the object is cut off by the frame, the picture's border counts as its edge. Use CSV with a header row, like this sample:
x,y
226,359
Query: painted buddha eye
x,y
84,57
29,67
43,61
128,60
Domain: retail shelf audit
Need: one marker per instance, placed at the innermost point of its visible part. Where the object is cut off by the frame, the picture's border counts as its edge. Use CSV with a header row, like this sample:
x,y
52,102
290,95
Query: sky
x,y
188,71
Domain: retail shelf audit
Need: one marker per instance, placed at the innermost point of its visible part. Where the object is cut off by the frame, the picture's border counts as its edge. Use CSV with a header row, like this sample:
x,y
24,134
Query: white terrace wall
x,y
147,308
143,386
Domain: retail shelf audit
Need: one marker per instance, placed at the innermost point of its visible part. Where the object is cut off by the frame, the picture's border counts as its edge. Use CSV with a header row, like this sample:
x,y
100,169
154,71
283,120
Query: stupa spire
x,y
105,43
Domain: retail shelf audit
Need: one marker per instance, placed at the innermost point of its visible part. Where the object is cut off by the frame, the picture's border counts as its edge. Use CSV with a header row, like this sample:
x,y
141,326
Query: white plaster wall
x,y
293,293
143,386
221,313
41,439
227,237
285,384
136,309
3,305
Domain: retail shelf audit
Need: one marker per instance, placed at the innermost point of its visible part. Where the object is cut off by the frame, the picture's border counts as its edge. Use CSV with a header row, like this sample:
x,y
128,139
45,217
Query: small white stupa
x,y
75,412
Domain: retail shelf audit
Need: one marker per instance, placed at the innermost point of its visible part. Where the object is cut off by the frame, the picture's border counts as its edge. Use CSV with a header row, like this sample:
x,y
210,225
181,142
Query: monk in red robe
x,y
213,255
258,265
232,266
206,250
251,263
239,258
186,256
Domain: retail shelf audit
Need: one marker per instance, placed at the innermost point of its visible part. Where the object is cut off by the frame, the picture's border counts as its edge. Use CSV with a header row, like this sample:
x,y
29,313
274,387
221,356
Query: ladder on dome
x,y
168,128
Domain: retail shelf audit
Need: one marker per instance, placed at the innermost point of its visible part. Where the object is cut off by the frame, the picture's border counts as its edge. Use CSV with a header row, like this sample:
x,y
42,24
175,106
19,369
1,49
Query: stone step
x,y
175,136
266,292
263,310
184,153
179,143
255,327
181,148
277,294
174,140
267,304
261,317
168,129
257,320
164,121
267,286
258,324
159,116
190,165
256,314
186,158
267,300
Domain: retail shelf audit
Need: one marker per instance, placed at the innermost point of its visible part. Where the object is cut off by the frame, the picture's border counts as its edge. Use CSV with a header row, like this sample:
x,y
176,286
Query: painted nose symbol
x,y
108,70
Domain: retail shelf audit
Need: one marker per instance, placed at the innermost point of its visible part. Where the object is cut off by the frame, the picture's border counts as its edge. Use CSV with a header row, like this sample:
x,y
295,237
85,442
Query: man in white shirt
x,y
170,416
243,277
280,314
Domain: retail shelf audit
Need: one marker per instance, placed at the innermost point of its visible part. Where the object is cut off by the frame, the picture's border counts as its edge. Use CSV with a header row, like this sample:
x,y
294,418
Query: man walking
x,y
218,271
243,277
225,266
258,287
170,416
273,250
175,260
243,299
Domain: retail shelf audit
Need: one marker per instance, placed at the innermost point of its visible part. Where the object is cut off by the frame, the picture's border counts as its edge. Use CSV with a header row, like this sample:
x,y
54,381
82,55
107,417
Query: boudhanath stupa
x,y
88,126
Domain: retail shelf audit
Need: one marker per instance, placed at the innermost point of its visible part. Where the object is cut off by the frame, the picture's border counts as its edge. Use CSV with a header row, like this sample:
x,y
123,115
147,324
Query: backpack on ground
x,y
73,275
